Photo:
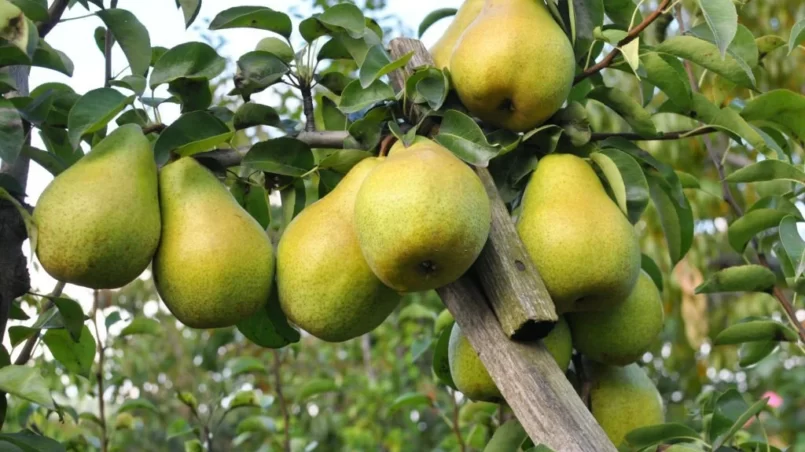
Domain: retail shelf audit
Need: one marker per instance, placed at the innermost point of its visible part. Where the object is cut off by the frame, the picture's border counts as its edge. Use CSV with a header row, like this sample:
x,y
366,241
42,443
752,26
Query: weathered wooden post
x,y
512,304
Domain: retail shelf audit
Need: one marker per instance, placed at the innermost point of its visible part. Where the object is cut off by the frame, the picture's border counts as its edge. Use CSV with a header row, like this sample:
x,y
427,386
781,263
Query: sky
x,y
165,24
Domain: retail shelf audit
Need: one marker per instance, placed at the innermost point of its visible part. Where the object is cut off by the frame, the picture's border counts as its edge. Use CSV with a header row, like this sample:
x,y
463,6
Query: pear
x,y
325,285
585,249
443,49
422,217
621,335
623,399
419,141
472,378
513,66
443,321
13,25
98,220
215,264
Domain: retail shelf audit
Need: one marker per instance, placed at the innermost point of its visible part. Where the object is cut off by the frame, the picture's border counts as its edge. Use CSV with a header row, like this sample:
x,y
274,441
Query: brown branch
x,y
28,348
99,376
54,15
151,128
307,106
667,136
633,34
286,418
107,51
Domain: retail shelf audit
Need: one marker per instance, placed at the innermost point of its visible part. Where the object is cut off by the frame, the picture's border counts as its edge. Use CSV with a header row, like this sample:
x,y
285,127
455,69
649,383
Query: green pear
x,y
623,399
472,378
422,218
215,264
325,285
444,320
622,334
13,25
443,49
98,220
585,249
513,66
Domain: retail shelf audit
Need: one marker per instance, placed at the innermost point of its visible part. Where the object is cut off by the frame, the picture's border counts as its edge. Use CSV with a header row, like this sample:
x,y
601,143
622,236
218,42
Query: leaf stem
x,y
286,418
28,348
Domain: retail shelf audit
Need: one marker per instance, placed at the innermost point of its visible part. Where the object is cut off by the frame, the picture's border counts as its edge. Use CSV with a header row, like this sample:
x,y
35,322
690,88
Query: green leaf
x,y
269,327
355,98
378,63
12,137
428,85
111,319
36,10
742,47
137,404
191,59
793,244
28,441
433,17
276,46
193,94
668,74
441,363
50,58
334,81
344,16
315,387
410,400
722,18
246,364
508,437
755,331
141,325
750,353
462,136
648,265
742,230
783,107
178,428
259,17
93,111
131,35
707,55
342,160
583,16
135,83
286,156
72,315
190,10
743,278
797,36
251,114
626,180
26,383
627,107
257,71
739,422
767,44
193,132
76,357
687,180
621,12
331,116
256,424
243,399
676,219
653,435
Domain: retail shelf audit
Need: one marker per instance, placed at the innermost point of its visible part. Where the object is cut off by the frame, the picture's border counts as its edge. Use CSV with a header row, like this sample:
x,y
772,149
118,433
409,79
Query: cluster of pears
x,y
588,255
511,64
104,219
413,221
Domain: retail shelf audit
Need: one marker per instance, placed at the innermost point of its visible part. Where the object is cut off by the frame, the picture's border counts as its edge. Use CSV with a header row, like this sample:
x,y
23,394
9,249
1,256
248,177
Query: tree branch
x,y
633,34
667,136
99,375
54,15
307,105
28,348
107,52
286,418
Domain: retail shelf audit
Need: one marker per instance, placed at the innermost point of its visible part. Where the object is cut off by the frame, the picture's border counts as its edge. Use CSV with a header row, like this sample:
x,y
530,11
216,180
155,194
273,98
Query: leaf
x,y
508,437
782,107
621,12
583,16
462,136
739,422
132,37
627,107
191,59
797,36
433,17
111,319
743,278
72,315
751,353
707,55
246,364
269,327
410,400
93,111
286,156
257,71
28,441
50,58
653,435
331,116
192,93
427,85
26,383
315,387
12,137
626,180
742,230
668,74
648,265
344,16
754,331
441,363
793,244
378,63
137,404
76,357
742,47
342,160
355,98
193,132
722,18
251,114
334,81
135,83
190,10
256,424
141,325
677,220
36,10
259,17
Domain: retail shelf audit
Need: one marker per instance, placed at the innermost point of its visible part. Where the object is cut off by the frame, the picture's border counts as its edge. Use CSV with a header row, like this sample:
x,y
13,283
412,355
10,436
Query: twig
x,y
107,51
667,136
286,418
99,375
28,348
633,34
730,199
307,105
54,16
461,445
150,128
585,382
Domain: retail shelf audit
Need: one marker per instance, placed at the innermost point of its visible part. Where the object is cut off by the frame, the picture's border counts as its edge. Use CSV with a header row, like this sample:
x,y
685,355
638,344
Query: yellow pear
x,y
443,49
419,141
422,218
623,399
585,249
620,335
215,264
99,220
13,25
472,378
325,285
513,66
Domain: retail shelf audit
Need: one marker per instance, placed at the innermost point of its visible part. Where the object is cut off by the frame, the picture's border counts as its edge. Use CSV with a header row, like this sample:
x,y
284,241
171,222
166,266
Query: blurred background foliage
x,y
378,392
